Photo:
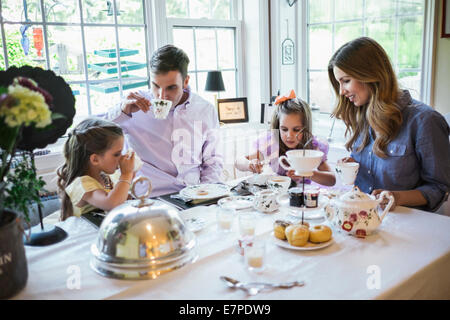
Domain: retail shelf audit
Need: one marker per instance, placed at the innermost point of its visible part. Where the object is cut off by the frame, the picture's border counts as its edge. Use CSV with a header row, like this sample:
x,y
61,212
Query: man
x,y
181,149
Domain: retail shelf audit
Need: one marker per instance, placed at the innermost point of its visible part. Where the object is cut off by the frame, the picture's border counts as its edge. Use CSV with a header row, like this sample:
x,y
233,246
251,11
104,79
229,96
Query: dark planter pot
x,y
13,262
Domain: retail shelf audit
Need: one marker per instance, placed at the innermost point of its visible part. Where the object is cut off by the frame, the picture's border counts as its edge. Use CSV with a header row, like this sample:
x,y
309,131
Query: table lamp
x,y
214,83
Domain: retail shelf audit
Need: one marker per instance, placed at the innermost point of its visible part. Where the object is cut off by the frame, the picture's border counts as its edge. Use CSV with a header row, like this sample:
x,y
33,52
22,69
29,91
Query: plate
x,y
236,202
205,191
195,224
308,247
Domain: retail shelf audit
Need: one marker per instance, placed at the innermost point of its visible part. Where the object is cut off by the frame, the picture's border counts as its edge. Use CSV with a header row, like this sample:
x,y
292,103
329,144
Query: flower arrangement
x,y
36,108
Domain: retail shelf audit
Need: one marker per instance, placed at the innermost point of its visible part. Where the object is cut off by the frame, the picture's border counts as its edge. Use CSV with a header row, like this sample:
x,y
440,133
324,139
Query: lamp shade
x,y
214,81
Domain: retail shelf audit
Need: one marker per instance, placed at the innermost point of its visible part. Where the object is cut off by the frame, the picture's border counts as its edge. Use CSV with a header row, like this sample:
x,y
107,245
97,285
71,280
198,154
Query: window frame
x,y
426,69
82,24
173,23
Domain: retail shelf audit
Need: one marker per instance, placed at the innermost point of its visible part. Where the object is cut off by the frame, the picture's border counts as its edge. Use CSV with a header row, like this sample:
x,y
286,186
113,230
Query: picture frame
x,y
233,110
266,113
445,33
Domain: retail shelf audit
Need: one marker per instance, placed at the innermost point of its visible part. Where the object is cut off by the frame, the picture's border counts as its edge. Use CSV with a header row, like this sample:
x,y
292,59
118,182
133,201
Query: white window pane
x,y
206,49
411,82
132,43
62,11
66,52
176,9
81,104
410,42
221,9
411,6
321,92
97,11
229,81
208,95
193,81
320,46
226,50
100,101
184,38
383,31
130,12
320,11
380,8
98,40
348,9
199,9
13,10
346,32
16,54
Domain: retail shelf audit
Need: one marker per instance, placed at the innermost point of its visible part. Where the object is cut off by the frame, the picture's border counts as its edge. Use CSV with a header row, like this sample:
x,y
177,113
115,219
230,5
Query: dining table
x,y
407,257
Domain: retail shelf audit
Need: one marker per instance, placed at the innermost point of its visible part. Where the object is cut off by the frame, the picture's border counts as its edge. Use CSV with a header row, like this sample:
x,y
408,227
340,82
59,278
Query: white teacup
x,y
347,171
280,184
302,161
137,161
266,201
161,108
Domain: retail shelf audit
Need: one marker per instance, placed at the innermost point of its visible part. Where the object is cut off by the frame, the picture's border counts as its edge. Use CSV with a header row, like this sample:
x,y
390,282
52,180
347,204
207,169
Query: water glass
x,y
225,217
255,255
247,224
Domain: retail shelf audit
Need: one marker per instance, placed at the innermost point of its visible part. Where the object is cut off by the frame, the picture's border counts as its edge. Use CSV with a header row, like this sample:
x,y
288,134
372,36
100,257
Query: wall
x,y
441,96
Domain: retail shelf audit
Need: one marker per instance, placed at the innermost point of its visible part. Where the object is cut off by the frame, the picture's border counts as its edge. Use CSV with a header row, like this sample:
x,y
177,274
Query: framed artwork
x,y
445,19
232,110
266,112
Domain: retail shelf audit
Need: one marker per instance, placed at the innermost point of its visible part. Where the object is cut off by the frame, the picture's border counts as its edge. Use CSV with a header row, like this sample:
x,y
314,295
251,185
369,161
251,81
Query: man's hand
x,y
135,102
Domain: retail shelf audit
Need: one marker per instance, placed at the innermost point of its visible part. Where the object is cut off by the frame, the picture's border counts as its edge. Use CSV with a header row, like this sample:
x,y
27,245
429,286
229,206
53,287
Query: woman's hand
x,y
255,166
126,164
385,200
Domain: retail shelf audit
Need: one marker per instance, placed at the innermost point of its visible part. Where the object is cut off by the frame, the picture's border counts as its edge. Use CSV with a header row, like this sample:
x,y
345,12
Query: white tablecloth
x,y
409,254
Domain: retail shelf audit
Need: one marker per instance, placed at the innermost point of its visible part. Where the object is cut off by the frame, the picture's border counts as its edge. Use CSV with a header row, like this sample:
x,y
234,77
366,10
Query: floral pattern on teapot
x,y
356,212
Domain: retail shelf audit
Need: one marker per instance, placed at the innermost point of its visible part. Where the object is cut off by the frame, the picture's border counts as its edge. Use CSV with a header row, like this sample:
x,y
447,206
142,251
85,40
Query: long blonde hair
x,y
92,135
366,61
294,106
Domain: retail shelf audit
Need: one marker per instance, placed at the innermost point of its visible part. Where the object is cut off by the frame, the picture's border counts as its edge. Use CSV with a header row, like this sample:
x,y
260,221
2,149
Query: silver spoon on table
x,y
253,288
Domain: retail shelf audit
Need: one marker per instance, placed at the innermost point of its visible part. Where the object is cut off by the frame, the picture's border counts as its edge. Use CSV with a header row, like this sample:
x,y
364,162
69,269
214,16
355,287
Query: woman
x,y
402,144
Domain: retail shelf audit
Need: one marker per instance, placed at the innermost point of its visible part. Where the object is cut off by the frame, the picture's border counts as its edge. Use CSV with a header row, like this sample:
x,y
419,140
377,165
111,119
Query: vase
x,y
13,262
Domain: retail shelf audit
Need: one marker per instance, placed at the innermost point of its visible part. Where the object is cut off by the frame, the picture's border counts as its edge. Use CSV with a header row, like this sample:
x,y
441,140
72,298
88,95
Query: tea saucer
x,y
308,247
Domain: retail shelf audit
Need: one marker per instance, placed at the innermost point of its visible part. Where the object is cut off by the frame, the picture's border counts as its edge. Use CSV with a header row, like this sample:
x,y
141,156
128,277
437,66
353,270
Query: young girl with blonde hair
x,y
92,152
291,129
401,144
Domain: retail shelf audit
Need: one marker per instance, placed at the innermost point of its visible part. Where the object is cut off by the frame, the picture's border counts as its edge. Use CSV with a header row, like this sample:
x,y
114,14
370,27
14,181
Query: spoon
x,y
254,288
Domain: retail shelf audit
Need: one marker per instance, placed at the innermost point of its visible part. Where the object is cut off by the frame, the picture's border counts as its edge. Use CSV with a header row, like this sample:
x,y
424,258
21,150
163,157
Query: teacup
x,y
302,161
280,184
266,201
347,171
161,108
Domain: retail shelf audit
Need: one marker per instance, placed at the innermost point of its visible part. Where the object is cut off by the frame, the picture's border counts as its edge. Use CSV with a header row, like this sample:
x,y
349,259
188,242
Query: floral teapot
x,y
357,212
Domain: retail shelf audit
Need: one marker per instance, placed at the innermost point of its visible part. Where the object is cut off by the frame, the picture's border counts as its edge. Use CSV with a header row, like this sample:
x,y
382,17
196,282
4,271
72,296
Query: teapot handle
x,y
280,161
389,205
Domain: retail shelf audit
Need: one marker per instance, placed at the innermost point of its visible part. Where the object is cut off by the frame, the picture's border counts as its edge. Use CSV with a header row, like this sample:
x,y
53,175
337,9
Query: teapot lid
x,y
355,194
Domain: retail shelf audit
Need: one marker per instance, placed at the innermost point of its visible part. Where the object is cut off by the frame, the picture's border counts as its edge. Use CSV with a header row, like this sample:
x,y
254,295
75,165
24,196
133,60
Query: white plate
x,y
195,224
205,191
308,247
236,202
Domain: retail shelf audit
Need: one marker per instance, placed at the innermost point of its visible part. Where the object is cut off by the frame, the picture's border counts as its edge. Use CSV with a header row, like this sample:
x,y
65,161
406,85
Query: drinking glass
x,y
225,217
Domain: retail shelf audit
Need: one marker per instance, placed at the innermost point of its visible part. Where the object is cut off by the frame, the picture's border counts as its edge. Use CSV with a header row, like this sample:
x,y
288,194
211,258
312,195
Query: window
x,y
398,25
208,31
78,40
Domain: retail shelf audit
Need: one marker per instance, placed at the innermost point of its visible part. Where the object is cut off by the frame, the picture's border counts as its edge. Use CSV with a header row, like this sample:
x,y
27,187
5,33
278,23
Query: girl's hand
x,y
346,159
126,164
255,166
385,200
291,174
